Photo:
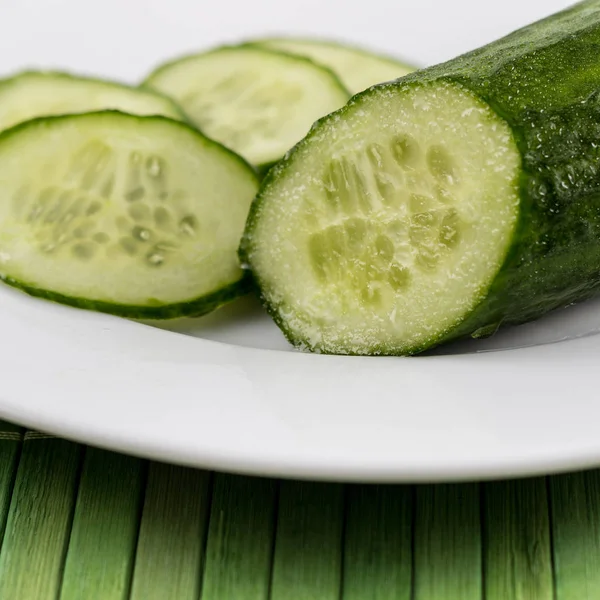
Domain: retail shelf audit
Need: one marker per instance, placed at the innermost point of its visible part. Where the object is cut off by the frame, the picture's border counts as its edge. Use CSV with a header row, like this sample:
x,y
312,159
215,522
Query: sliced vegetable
x,y
37,94
135,216
257,102
357,68
443,205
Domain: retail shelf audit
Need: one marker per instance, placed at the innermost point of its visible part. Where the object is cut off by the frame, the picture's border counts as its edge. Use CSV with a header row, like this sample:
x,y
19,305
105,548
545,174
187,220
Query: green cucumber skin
x,y
544,81
193,308
263,170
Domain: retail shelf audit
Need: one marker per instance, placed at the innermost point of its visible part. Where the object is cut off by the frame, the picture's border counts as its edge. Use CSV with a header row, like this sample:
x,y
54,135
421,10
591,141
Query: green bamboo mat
x,y
79,523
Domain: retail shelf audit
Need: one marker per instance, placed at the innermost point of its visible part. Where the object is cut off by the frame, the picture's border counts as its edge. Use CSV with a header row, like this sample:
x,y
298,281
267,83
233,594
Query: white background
x,y
124,39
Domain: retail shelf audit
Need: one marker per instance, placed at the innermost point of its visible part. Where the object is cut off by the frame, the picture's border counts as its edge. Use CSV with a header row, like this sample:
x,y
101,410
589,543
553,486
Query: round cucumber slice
x,y
34,94
357,68
135,216
256,101
388,223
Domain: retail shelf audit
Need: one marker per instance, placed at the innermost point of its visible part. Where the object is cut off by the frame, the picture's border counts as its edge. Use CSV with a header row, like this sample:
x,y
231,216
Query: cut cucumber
x,y
36,94
357,68
460,198
135,216
257,102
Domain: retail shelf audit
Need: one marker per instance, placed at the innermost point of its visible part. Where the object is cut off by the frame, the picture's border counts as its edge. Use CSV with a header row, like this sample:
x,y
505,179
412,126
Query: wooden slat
x,y
377,549
39,519
308,547
105,528
447,546
10,449
282,541
575,501
518,554
240,539
172,534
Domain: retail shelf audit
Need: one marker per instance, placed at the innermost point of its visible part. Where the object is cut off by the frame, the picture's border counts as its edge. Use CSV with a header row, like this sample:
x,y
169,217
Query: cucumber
x,y
130,215
357,68
443,205
257,102
33,94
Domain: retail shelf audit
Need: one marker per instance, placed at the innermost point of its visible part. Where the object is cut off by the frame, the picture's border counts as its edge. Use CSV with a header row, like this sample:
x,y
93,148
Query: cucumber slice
x,y
458,199
255,101
357,68
34,94
135,216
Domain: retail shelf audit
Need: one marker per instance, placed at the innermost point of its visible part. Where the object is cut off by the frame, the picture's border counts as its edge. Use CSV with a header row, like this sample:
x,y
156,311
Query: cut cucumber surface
x,y
455,200
354,237
256,101
357,68
34,94
135,216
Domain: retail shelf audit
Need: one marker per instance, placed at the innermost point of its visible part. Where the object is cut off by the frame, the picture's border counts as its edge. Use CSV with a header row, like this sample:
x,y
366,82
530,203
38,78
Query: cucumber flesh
x,y
136,216
378,236
35,94
257,102
358,69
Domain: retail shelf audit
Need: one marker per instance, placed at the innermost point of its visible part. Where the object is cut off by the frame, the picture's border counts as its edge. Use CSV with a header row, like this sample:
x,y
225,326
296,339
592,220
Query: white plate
x,y
226,392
